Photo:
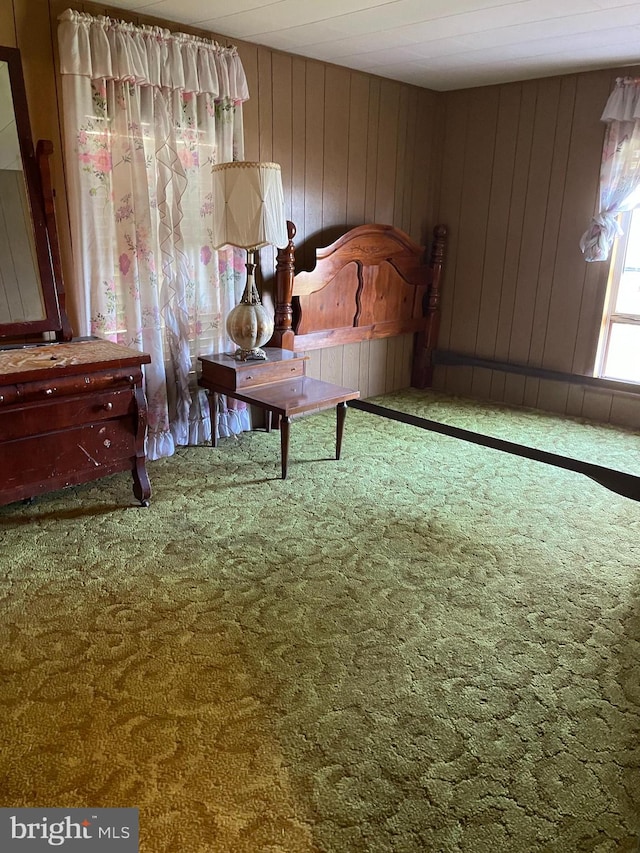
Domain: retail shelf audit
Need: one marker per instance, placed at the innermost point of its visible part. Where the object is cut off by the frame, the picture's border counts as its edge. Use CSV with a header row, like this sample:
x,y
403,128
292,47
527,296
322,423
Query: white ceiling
x,y
438,44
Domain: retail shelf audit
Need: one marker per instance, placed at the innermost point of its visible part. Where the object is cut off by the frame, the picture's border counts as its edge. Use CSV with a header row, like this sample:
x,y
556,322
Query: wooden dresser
x,y
69,413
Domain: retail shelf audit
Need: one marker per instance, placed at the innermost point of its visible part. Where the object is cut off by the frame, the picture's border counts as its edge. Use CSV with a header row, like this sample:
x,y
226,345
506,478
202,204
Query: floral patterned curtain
x,y
620,170
146,114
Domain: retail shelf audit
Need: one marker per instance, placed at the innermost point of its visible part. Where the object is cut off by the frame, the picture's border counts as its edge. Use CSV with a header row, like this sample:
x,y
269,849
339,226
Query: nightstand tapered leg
x,y
214,419
341,414
285,424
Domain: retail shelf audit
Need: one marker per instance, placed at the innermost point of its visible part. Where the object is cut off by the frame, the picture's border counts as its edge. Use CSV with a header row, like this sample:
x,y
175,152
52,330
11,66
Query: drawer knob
x,y
48,391
108,406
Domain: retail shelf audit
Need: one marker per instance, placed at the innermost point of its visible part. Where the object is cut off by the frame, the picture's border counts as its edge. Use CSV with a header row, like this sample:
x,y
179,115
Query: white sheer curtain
x,y
146,114
620,169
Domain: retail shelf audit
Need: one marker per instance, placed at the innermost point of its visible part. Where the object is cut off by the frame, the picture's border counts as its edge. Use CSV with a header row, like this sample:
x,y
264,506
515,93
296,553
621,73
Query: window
x,y
619,347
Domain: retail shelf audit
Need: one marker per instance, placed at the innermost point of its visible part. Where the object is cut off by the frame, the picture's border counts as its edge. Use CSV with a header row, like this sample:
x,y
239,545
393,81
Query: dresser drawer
x,y
54,460
22,420
54,387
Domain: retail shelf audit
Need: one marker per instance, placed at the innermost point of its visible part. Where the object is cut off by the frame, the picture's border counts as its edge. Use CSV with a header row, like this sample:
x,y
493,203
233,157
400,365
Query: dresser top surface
x,y
29,362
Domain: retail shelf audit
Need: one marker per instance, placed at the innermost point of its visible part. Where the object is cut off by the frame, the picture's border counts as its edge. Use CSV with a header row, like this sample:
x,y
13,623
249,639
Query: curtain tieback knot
x,y
596,242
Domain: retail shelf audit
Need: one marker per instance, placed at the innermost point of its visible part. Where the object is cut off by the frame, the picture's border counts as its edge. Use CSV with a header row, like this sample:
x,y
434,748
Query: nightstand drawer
x,y
225,373
263,372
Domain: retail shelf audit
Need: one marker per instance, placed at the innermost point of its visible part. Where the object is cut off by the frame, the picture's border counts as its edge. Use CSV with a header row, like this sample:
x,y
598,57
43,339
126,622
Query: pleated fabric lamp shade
x,y
248,205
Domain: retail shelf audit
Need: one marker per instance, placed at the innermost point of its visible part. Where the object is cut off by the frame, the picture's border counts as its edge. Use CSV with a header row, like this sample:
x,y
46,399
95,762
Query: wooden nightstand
x,y
279,386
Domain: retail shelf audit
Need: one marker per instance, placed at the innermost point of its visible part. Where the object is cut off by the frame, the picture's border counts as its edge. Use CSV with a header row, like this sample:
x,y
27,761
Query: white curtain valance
x,y
105,49
623,103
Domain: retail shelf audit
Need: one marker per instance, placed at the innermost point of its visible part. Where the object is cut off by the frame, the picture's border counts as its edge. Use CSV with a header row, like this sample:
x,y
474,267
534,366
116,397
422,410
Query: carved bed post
x,y
427,341
283,335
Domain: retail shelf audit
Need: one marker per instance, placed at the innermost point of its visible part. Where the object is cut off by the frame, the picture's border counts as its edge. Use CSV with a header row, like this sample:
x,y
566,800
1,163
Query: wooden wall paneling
x,y
281,135
439,378
298,145
34,31
331,364
433,111
553,215
437,116
390,371
364,358
516,219
117,14
460,380
336,152
575,400
537,198
481,378
401,186
582,178
351,366
513,389
250,110
387,151
8,35
503,386
314,365
395,363
378,366
465,296
625,410
314,153
420,190
372,150
358,138
553,395
476,168
597,404
486,383
455,129
265,104
403,374
406,171
531,388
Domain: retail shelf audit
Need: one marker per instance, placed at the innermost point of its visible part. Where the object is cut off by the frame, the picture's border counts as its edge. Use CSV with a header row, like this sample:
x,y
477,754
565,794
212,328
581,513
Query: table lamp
x,y
248,204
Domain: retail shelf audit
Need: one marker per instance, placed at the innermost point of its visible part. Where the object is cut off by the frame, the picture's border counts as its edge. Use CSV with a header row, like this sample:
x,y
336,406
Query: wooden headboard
x,y
373,282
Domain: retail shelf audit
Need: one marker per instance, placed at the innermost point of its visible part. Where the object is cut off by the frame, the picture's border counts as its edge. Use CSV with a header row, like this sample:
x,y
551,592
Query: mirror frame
x,y
52,321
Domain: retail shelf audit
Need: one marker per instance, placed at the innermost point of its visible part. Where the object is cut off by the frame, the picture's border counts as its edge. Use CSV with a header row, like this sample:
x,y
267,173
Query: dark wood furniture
x,y
373,282
70,410
70,413
280,387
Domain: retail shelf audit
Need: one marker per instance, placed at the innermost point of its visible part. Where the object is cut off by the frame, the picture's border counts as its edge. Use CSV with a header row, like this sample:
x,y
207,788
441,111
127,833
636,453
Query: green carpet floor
x,y
427,646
